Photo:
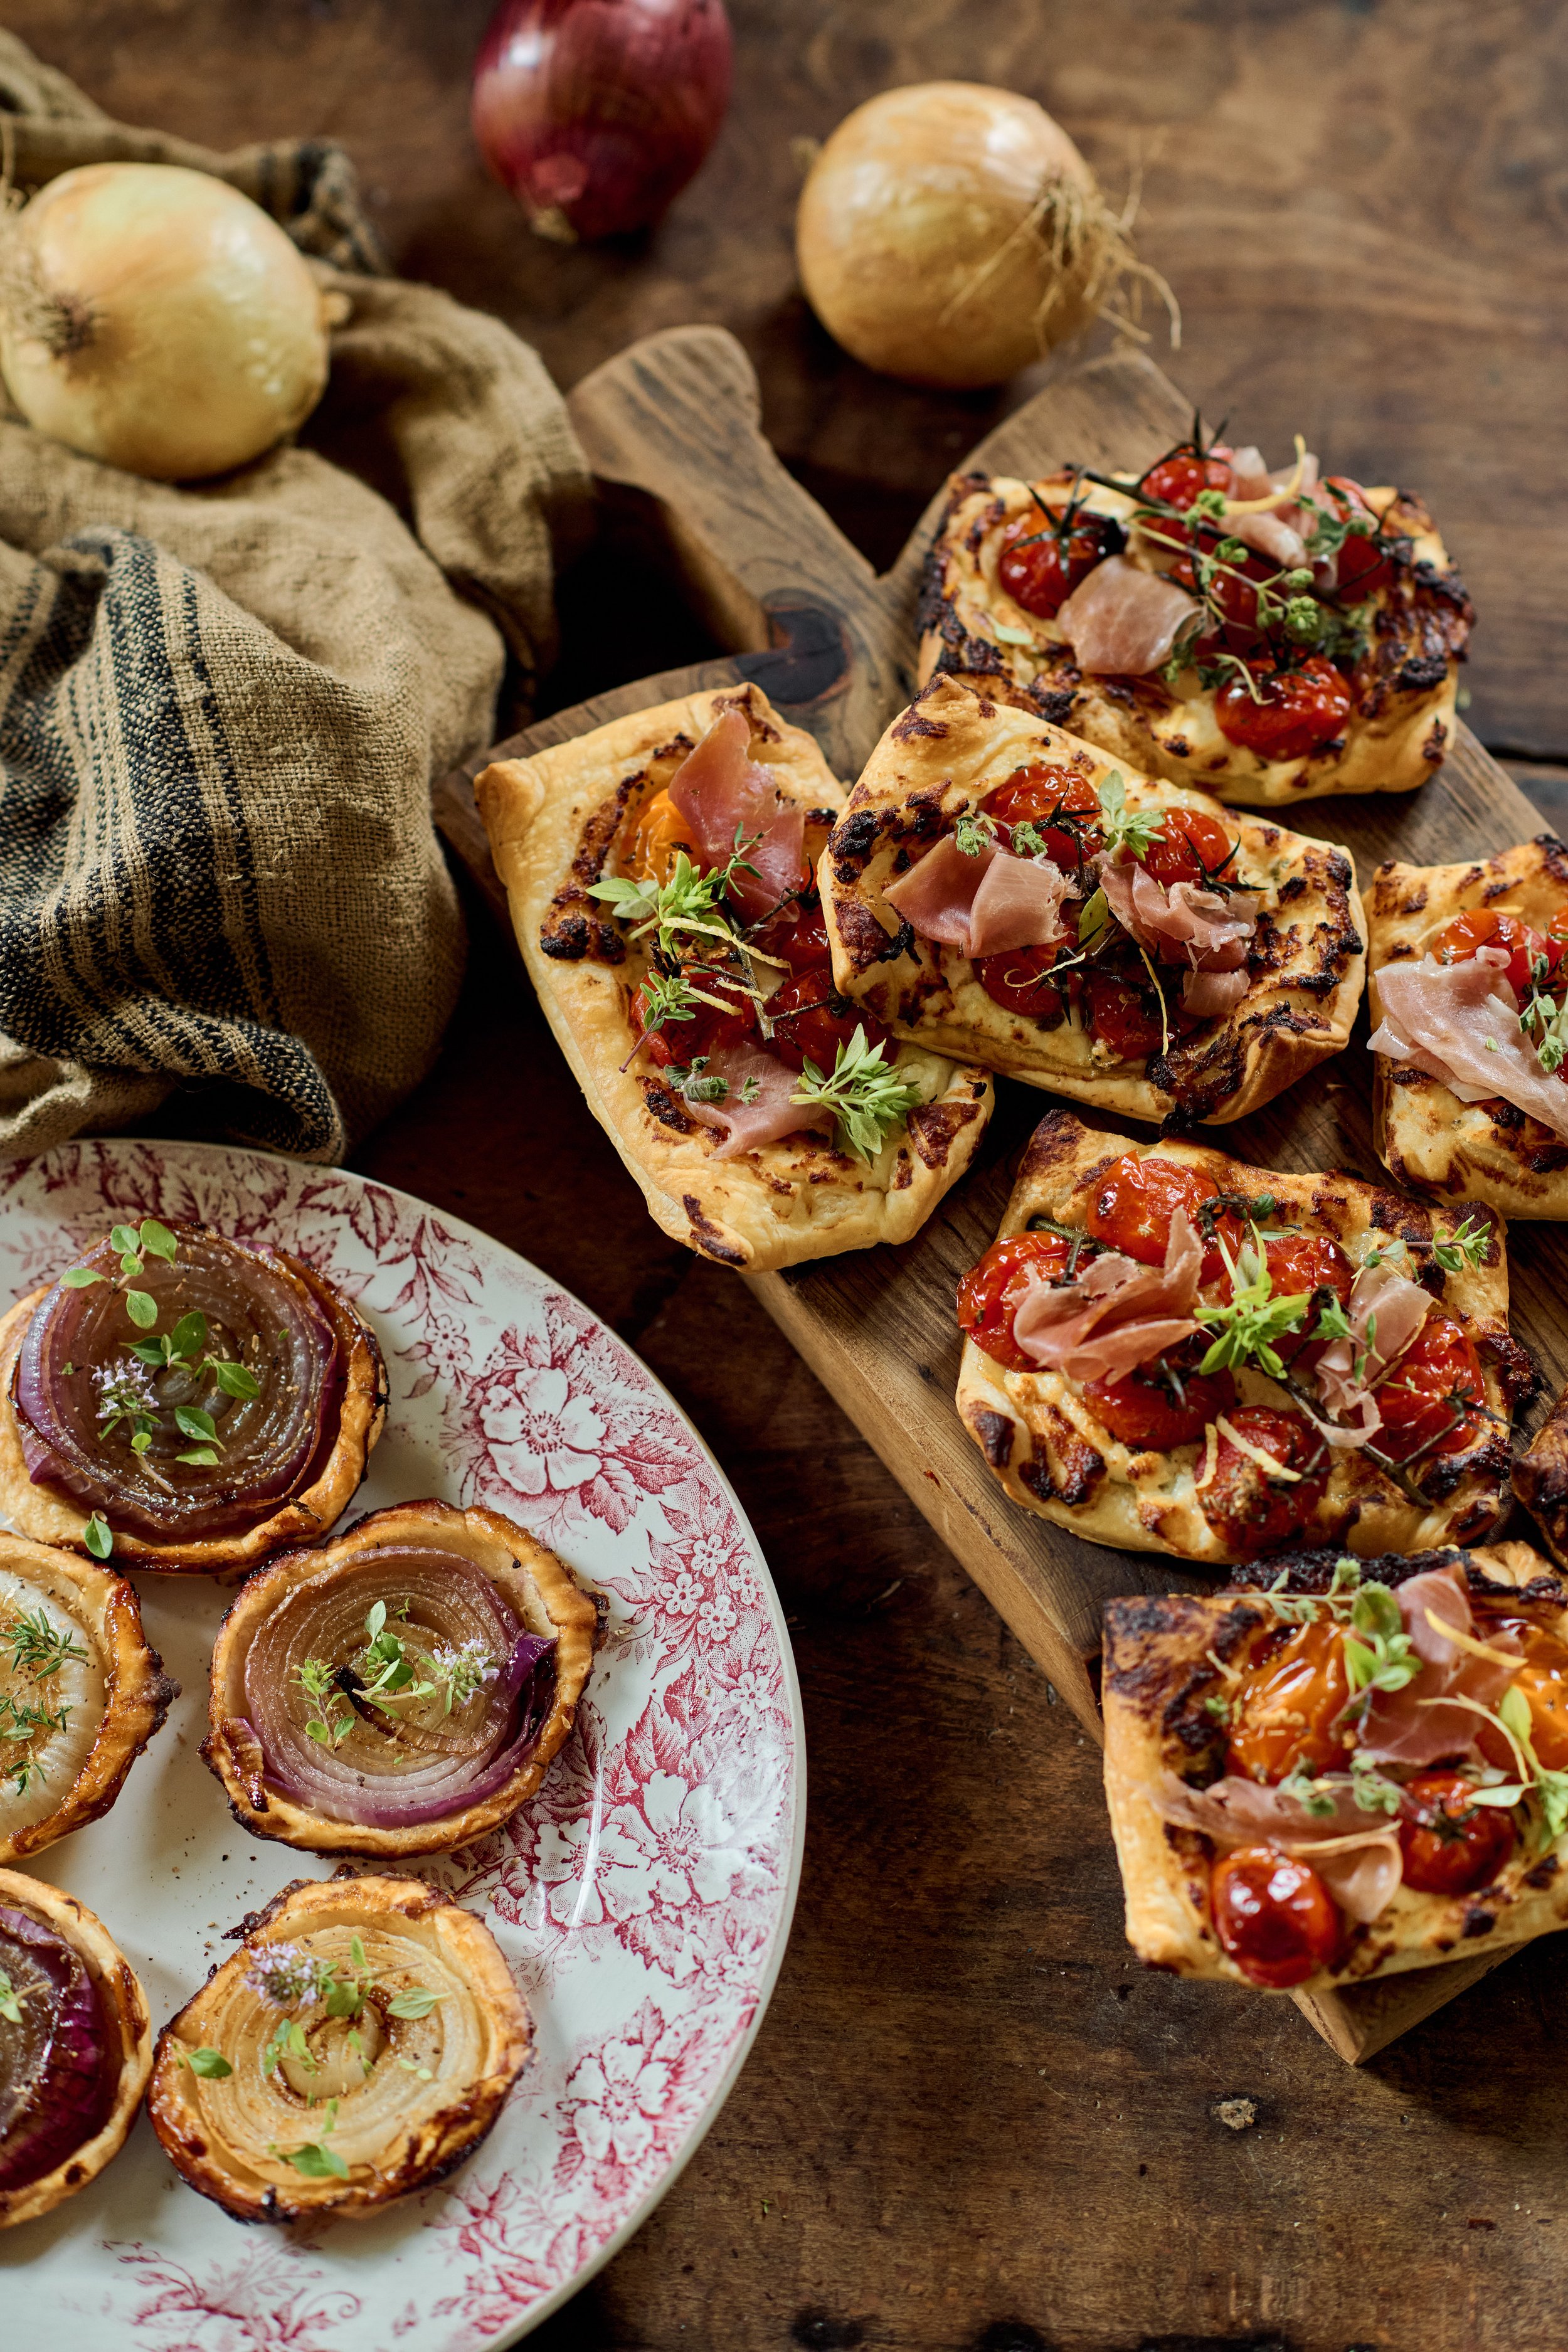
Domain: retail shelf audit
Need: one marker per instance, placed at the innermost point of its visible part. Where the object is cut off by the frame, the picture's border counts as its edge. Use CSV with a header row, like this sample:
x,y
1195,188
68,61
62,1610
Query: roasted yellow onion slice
x,y
359,2046
80,1693
184,1401
403,1689
75,2047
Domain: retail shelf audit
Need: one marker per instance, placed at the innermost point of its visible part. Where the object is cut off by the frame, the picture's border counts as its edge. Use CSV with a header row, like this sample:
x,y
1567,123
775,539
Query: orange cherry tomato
x,y
1191,847
1282,1715
1285,714
1451,1846
1176,480
811,1020
1542,1678
1036,794
659,831
1273,1916
1249,1510
1020,981
1440,1368
1041,564
1144,1411
1527,949
991,1292
1123,1017
1136,1199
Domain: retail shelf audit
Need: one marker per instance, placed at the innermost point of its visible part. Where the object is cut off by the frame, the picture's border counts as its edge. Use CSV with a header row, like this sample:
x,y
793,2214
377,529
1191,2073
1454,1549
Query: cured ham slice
x,y
1208,931
1122,622
721,793
1357,1858
1207,994
1459,1023
1405,1727
1385,1312
769,1115
1116,1314
1281,535
987,904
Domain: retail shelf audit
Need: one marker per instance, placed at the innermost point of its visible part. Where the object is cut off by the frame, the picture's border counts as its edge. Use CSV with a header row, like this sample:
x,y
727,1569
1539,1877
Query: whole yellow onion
x,y
157,319
949,234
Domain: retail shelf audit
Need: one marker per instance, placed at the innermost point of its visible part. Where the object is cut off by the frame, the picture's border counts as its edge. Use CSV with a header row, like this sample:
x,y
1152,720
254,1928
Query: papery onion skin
x,y
156,318
595,114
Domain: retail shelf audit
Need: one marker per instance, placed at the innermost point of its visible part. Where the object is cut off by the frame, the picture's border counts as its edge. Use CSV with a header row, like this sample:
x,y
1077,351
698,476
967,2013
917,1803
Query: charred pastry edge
x,y
525,1571
138,1693
1156,1672
1238,1060
124,2010
1541,1480
446,2140
1074,1488
1425,1135
51,1516
1401,746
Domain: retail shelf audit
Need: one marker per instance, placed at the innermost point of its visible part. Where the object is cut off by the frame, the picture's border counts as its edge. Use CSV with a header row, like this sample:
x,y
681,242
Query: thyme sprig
x,y
1247,1329
866,1096
38,1648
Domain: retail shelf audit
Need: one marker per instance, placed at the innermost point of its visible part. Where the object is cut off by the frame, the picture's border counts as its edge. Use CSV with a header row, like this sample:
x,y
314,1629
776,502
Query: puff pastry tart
x,y
75,2047
1270,635
359,2046
998,890
1172,1351
1470,968
402,1690
82,1692
1358,1767
662,876
184,1403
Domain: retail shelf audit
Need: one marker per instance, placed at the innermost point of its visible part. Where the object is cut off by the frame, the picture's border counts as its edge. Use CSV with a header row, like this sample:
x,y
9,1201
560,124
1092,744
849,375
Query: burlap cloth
x,y
222,901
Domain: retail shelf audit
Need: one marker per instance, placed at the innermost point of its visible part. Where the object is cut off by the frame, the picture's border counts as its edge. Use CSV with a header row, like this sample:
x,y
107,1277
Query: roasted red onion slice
x,y
316,1669
56,2083
83,1395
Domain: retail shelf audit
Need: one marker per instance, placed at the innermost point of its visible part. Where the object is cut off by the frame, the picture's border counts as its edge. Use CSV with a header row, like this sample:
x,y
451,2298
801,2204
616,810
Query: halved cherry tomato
x,y
1487,926
703,1031
1123,1017
1285,714
1439,1365
1251,1511
1190,847
991,1292
811,1020
1232,596
1282,1715
1176,480
1020,981
659,831
1451,1844
1037,793
1306,1262
1040,564
1136,1199
1273,1916
1364,563
1542,1677
798,933
1144,1411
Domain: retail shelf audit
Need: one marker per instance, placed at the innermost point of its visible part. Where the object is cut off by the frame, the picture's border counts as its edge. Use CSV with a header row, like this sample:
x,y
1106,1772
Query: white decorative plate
x,y
642,1898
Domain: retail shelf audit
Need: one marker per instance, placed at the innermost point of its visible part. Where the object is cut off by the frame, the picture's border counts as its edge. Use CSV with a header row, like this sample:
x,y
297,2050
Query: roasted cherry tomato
x,y
1364,563
1232,595
659,832
1440,1365
1144,1410
990,1293
1273,1916
1282,1714
1451,1844
1176,480
1136,1199
1041,564
704,1032
1020,981
1306,1262
1526,948
1249,1508
1542,1678
797,933
1191,847
1037,793
1284,714
811,1020
1123,1017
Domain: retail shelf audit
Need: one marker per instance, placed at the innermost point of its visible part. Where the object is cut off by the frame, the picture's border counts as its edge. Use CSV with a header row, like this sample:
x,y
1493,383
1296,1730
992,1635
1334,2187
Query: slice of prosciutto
x,y
1459,1023
1207,994
769,1116
1116,1314
1385,1312
1281,534
1357,1856
1208,931
721,793
1121,622
988,904
1420,1724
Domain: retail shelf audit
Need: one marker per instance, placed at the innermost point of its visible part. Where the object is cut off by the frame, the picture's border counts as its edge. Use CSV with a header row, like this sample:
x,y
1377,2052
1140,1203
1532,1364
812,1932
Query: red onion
x,y
260,1313
422,1763
595,114
56,2080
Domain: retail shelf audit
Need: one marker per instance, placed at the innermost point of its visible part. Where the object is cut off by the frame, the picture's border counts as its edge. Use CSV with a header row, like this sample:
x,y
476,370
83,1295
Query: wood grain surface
x,y
971,2123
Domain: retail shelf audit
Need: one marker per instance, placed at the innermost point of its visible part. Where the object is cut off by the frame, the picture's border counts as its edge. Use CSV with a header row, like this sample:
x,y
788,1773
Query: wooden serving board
x,y
672,431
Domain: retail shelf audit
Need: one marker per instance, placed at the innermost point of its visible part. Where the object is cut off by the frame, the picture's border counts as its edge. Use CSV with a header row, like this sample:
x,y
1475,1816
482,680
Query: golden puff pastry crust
x,y
1405,688
557,823
936,763
1425,1135
1158,1671
1047,1450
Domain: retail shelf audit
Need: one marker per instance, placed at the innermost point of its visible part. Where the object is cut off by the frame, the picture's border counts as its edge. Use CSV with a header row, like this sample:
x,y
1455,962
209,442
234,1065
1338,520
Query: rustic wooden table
x,y
970,2123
